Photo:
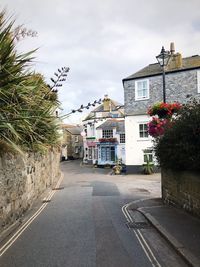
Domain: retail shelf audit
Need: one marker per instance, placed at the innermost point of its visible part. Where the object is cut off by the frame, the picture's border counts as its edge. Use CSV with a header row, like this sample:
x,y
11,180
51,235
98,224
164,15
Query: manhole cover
x,y
138,225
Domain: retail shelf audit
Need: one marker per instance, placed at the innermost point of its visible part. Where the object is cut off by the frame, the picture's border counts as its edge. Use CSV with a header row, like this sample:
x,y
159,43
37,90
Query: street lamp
x,y
163,59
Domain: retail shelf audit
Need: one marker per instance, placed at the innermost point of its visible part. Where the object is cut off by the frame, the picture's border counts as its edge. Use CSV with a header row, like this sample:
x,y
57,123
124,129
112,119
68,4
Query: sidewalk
x,y
180,229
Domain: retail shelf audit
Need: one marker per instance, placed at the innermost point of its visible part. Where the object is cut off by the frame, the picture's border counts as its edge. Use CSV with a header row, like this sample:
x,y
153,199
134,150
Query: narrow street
x,y
84,225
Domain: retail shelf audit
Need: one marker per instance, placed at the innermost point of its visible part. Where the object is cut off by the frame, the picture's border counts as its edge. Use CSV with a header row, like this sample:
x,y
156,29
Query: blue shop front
x,y
107,151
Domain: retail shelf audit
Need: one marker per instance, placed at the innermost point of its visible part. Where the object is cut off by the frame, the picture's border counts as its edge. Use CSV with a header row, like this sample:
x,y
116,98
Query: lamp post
x,y
163,59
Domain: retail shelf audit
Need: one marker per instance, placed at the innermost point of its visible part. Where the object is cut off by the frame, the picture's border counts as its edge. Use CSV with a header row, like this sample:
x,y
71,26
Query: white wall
x,y
135,144
121,152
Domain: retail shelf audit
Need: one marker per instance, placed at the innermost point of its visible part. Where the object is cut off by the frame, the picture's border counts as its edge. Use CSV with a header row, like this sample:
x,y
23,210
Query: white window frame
x,y
198,81
107,133
143,137
137,97
122,138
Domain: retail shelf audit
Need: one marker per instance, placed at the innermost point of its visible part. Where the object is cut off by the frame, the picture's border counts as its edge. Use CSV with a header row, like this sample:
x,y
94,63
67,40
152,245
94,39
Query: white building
x,y
104,134
143,89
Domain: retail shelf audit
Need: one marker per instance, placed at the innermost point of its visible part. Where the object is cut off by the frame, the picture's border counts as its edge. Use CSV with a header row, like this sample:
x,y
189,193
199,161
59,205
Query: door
x,y
108,154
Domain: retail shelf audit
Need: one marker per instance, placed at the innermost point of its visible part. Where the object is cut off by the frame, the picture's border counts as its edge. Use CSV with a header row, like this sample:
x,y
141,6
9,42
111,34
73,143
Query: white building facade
x,y
145,88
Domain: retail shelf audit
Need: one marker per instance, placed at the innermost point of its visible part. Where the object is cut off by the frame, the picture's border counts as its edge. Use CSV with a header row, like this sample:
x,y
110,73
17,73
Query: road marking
x,y
19,232
147,250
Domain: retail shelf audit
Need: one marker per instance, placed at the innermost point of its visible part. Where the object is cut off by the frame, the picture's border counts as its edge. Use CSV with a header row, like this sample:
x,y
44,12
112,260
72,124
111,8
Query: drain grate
x,y
58,188
138,225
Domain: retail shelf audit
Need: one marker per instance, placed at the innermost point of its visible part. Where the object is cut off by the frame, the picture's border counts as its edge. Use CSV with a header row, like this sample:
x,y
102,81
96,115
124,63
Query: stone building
x,y
72,142
143,89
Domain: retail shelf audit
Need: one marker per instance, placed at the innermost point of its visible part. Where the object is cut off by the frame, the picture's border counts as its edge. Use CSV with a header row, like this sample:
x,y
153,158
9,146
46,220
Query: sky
x,y
102,41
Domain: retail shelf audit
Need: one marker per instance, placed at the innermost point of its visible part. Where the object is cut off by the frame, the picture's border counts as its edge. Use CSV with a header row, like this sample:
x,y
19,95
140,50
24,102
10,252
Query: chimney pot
x,y
172,48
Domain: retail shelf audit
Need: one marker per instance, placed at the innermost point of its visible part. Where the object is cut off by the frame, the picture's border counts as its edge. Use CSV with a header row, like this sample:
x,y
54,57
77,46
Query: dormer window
x,y
141,89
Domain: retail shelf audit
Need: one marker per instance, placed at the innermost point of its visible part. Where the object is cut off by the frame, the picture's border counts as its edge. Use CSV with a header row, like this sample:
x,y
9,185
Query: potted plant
x,y
148,167
118,167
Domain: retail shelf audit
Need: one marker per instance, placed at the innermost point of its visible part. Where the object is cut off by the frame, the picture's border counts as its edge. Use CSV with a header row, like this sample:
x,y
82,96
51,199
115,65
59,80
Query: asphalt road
x,y
83,224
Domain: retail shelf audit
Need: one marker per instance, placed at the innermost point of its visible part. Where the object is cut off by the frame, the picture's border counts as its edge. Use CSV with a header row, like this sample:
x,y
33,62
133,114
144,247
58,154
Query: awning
x,y
91,143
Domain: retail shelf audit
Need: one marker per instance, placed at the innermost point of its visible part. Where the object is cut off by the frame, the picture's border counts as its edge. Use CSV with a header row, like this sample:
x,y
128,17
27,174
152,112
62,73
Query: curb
x,y
187,256
5,233
8,231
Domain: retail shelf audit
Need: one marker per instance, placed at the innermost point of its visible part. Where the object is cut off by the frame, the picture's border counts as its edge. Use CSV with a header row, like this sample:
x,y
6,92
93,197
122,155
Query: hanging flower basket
x,y
164,110
156,127
107,140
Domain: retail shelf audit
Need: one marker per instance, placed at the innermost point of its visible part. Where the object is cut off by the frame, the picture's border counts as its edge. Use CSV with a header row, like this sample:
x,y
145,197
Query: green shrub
x,y
179,147
27,120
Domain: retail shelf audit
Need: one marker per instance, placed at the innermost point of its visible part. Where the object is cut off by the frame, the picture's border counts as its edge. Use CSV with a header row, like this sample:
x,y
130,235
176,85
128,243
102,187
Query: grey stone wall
x,y
178,86
23,179
182,189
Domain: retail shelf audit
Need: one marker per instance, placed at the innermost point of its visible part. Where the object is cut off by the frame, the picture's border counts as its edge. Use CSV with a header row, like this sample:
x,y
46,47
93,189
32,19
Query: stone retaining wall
x,y
182,189
23,179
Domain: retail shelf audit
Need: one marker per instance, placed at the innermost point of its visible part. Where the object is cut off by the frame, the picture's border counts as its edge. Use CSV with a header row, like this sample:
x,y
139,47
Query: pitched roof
x,y
110,124
114,106
64,125
188,63
76,130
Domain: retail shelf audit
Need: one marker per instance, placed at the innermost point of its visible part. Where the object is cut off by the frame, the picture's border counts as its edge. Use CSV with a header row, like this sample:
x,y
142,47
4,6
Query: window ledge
x,y
140,99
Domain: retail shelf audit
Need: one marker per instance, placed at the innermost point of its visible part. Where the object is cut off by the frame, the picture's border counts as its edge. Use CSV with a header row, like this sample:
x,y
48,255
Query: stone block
x,y
23,179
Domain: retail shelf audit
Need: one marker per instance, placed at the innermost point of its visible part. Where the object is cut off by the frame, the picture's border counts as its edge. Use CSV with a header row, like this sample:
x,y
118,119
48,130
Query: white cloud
x,y
103,41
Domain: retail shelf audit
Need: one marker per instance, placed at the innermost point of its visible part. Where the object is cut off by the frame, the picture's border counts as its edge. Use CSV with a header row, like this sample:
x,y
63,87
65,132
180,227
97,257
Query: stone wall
x,y
23,179
182,189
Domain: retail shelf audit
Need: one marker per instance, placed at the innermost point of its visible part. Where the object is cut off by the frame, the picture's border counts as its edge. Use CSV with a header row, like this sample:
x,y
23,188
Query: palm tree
x,y
27,120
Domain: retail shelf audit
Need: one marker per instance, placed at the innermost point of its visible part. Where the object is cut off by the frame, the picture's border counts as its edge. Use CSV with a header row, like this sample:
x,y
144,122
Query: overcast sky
x,y
103,41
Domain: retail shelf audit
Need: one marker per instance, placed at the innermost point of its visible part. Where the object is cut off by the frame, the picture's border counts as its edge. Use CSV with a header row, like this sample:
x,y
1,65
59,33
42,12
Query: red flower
x,y
157,126
164,110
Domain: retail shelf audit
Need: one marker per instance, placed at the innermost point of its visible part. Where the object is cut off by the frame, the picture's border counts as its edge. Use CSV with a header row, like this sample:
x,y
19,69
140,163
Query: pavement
x,y
180,229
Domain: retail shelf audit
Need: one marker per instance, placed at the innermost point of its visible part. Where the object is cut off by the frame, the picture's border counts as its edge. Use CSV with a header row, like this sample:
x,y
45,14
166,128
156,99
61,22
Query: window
x,y
108,153
76,138
148,155
90,152
143,130
122,138
141,89
107,134
115,115
76,149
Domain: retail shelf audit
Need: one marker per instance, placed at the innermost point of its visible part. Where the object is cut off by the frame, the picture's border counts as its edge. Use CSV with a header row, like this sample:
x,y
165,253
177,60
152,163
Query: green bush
x,y
179,147
27,105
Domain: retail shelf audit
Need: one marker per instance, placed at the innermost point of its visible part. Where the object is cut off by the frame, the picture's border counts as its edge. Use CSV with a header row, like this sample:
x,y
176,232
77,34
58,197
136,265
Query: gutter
x,y
158,74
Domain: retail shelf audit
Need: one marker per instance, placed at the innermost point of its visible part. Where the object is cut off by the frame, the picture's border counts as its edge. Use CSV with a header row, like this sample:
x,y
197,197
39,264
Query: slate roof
x,y
114,104
188,63
76,130
110,124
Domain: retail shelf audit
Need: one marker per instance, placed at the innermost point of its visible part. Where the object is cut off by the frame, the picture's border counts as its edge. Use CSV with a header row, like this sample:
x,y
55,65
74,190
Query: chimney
x,y
172,48
178,60
175,60
106,103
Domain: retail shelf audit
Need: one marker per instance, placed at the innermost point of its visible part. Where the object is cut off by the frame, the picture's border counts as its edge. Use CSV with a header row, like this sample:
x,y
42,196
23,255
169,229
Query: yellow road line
x,y
9,243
